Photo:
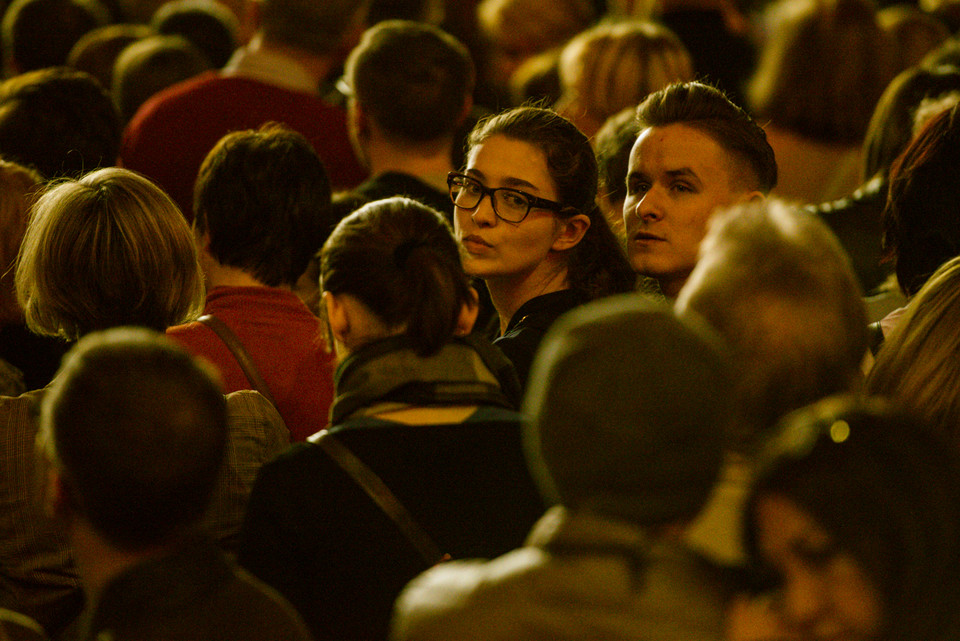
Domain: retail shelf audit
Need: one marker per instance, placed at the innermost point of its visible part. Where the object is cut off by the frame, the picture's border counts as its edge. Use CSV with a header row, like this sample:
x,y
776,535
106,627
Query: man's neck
x,y
99,562
319,67
430,165
218,275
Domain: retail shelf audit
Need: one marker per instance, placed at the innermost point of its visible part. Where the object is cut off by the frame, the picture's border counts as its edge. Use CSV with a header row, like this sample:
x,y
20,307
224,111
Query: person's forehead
x,y
678,146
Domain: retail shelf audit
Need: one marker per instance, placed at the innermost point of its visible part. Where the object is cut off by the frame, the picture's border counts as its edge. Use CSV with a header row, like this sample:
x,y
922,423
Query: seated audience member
x,y
514,31
628,407
421,402
856,220
819,77
58,121
276,77
108,250
37,357
410,90
855,524
615,65
528,224
775,283
613,144
696,151
208,24
98,49
914,32
133,433
261,200
40,33
920,228
154,63
917,365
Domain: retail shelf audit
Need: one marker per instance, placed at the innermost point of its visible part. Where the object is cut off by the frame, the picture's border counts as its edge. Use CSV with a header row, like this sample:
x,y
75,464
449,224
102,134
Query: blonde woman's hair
x,y
19,189
918,364
616,65
107,250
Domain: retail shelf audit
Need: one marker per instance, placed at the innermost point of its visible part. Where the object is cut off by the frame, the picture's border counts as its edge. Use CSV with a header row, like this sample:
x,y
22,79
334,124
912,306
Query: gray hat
x,y
629,408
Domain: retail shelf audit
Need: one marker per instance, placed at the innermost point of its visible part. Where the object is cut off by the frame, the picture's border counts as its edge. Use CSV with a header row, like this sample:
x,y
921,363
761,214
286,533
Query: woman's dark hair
x,y
597,265
887,490
891,126
399,258
921,229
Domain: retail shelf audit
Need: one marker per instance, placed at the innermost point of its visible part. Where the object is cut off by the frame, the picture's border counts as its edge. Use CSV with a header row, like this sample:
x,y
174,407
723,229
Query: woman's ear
x,y
468,314
570,231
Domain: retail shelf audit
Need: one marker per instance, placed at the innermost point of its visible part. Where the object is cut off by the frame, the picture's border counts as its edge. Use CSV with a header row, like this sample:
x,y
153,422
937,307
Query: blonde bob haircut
x,y
919,362
107,250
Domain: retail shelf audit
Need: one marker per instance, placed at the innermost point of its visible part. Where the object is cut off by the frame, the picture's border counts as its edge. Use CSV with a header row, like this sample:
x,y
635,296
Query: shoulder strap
x,y
377,490
239,352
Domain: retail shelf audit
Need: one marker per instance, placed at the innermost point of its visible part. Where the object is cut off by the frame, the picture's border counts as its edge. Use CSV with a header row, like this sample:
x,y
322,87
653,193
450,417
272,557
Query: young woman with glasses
x,y
528,225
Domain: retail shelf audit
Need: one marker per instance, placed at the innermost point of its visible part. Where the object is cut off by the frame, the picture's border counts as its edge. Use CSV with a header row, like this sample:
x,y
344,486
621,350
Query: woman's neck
x,y
509,293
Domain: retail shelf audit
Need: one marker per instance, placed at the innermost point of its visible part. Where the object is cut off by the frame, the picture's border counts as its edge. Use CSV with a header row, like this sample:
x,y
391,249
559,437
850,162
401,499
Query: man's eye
x,y
683,188
638,188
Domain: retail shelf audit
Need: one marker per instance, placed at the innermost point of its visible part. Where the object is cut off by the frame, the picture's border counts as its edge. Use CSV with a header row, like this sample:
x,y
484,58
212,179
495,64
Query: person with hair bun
x,y
423,402
528,224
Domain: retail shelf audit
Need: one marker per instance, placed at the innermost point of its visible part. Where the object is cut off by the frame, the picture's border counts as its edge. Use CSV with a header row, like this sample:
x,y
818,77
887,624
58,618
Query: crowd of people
x,y
479,319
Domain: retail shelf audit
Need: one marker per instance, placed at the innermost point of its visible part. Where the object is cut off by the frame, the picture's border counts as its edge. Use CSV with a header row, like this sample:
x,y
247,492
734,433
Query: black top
x,y
38,357
391,183
530,324
314,534
193,593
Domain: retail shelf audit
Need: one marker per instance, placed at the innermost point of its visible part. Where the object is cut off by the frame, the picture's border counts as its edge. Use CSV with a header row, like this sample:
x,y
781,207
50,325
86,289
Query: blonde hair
x,y
616,65
109,249
917,365
19,189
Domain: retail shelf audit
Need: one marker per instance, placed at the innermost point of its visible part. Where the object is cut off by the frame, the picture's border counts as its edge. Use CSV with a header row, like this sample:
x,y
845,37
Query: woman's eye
x,y
514,201
471,188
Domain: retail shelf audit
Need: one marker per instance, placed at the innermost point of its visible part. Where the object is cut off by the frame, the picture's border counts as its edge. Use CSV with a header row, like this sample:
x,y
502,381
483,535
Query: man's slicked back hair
x,y
708,110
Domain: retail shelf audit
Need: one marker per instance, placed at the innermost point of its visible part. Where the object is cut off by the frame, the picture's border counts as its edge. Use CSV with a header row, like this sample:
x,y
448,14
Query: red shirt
x,y
285,342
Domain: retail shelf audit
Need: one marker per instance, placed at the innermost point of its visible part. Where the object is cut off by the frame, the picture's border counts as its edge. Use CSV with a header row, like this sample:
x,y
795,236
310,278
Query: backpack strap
x,y
377,490
240,353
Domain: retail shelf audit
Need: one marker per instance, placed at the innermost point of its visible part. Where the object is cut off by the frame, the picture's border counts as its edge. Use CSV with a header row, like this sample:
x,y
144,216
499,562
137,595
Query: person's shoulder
x,y
466,599
169,100
264,610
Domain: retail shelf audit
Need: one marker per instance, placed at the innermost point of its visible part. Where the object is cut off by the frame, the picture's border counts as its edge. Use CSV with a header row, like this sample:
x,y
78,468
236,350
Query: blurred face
x,y
676,178
824,594
492,248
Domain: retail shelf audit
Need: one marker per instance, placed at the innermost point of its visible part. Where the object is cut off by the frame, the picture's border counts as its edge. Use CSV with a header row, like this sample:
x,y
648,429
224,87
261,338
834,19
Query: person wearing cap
x,y
629,407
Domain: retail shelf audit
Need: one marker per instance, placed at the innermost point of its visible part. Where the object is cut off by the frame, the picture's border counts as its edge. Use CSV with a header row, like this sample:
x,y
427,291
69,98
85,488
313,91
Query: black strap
x,y
240,353
377,490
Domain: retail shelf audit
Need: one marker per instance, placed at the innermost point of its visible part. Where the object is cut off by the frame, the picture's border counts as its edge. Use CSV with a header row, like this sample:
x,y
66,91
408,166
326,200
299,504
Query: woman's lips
x,y
474,244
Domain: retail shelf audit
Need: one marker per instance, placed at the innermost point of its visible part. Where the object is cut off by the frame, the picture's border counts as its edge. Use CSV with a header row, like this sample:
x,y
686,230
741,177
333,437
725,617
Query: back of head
x,y
629,407
597,265
98,49
892,124
109,249
708,110
19,189
263,197
886,490
613,144
822,72
40,33
917,364
208,24
150,65
776,284
59,121
399,258
138,430
914,32
314,27
616,65
412,79
921,230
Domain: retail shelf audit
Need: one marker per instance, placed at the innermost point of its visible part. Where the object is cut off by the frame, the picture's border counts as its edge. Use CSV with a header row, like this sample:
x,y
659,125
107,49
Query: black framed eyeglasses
x,y
511,205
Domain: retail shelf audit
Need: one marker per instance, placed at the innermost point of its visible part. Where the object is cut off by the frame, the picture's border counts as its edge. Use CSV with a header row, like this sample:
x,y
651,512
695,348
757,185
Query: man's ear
x,y
570,231
468,314
753,197
338,316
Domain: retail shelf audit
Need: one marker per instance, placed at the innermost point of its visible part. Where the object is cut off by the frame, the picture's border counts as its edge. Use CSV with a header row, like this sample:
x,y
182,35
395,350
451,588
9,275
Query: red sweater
x,y
285,342
172,133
